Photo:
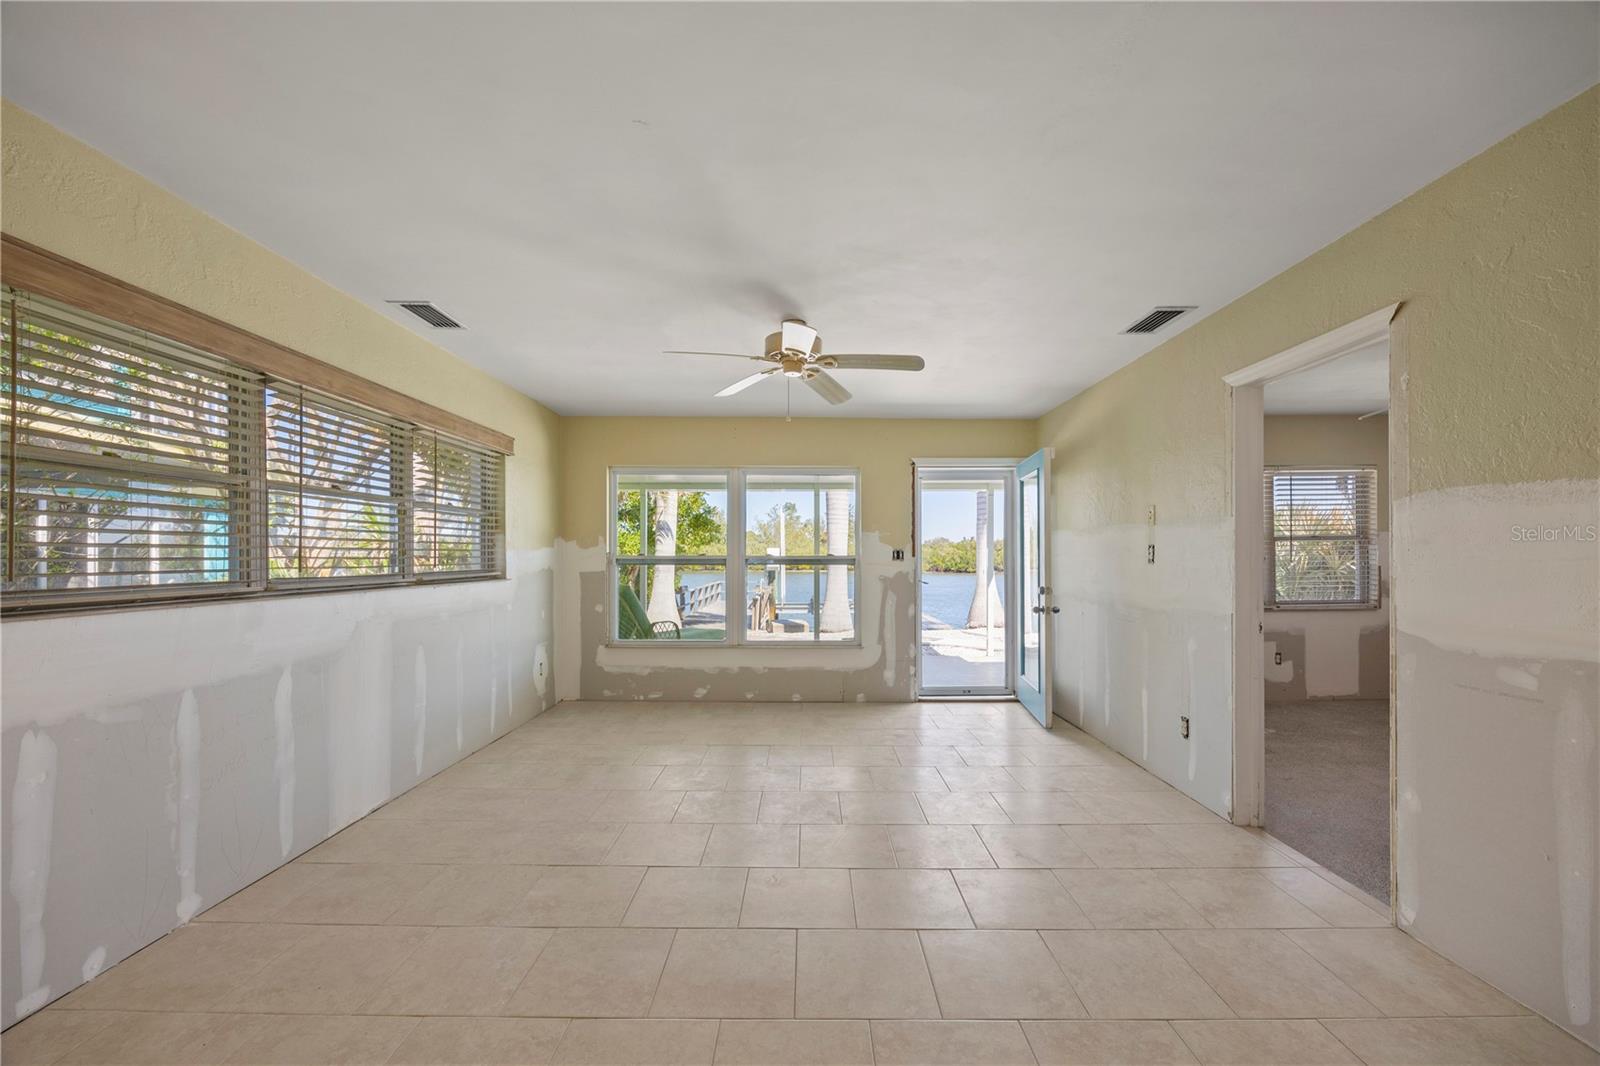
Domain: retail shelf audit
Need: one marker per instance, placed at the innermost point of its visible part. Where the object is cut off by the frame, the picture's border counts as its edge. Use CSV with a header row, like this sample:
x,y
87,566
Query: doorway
x,y
964,525
1313,676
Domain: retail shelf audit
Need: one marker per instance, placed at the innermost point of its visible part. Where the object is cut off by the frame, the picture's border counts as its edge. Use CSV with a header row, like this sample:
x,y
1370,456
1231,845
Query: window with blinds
x,y
135,467
1320,537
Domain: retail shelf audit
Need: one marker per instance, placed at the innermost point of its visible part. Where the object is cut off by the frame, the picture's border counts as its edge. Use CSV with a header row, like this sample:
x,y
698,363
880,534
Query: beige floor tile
x,y
1143,808
564,776
1263,1043
692,778
991,973
1401,976
836,779
845,846
580,895
896,1043
594,973
195,967
996,755
1043,808
1219,845
908,778
763,779
938,846
753,845
671,755
1240,899
460,971
157,1039
44,1037
1123,846
1261,973
1329,902
1106,1044
687,896
1038,846
1524,1041
480,1042
800,755
357,894
881,808
928,755
982,779
799,808
960,808
261,900
864,755
728,973
333,969
1080,778
798,899
1129,899
735,755
659,845
472,895
297,1039
791,1042
862,974
908,899
591,1042
719,807
553,844
653,805
1018,899
1132,974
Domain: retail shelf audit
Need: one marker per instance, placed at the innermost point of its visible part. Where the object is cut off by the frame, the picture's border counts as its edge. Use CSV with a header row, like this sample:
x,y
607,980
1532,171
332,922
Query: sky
x,y
954,514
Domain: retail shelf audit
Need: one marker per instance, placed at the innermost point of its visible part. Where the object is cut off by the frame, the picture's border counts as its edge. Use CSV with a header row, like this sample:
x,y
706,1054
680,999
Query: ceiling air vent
x,y
1156,319
428,313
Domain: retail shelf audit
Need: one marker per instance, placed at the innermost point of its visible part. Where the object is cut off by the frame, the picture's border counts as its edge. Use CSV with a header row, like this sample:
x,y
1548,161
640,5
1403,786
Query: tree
x,y
836,616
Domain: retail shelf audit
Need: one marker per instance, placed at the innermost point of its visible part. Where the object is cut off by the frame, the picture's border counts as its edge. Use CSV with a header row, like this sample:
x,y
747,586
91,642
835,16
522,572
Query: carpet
x,y
1328,786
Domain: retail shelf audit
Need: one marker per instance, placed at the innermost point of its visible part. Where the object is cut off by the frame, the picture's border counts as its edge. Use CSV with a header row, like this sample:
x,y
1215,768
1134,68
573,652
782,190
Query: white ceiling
x,y
1000,188
1353,384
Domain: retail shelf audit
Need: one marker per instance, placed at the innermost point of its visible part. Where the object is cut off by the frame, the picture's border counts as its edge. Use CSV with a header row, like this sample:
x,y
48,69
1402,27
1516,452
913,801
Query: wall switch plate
x,y
1150,553
899,555
1183,725
1277,658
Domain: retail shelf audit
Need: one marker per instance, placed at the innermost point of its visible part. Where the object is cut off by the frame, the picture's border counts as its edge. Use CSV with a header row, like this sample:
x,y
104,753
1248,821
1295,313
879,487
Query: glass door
x,y
963,520
1033,613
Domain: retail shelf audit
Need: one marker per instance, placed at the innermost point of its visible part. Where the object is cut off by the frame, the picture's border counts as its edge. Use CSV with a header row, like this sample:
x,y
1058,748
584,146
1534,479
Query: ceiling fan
x,y
795,351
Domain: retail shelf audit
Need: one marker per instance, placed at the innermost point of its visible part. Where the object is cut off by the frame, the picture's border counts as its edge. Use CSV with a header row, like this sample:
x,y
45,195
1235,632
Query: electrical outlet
x,y
899,555
1277,658
1150,553
1150,516
1183,726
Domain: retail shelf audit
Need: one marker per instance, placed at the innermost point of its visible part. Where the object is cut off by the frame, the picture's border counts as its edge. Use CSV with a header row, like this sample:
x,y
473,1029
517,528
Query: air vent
x,y
1156,319
428,313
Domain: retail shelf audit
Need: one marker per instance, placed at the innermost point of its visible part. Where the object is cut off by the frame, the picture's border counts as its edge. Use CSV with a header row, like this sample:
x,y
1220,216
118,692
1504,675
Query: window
x,y
136,467
1321,545
674,565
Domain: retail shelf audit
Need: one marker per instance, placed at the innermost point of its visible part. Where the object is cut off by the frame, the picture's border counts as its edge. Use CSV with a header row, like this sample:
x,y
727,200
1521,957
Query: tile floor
x,y
930,883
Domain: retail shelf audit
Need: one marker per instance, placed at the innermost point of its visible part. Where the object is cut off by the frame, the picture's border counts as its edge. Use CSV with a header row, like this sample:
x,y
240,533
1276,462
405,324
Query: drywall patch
x,y
1576,832
94,963
33,795
283,761
186,742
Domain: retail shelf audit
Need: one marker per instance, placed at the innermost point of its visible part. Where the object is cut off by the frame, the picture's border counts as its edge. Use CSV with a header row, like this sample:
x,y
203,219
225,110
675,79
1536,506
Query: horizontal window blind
x,y
125,459
1320,536
456,492
135,467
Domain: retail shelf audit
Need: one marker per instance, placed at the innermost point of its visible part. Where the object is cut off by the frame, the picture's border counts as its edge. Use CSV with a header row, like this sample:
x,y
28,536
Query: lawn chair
x,y
634,624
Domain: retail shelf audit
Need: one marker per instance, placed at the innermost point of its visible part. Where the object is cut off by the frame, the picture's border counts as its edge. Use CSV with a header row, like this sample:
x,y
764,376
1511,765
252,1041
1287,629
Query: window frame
x,y
247,479
1369,571
734,562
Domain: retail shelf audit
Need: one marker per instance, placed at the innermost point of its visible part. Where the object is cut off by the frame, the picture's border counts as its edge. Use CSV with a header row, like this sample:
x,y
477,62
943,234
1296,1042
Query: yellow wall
x,y
66,197
882,449
1494,432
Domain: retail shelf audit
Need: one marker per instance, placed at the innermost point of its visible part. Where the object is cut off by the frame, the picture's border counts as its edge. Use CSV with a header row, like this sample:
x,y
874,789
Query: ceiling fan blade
x,y
828,388
727,355
877,362
746,382
798,337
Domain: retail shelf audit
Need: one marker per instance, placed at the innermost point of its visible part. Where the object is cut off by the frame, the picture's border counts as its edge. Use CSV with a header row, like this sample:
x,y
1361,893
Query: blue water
x,y
947,597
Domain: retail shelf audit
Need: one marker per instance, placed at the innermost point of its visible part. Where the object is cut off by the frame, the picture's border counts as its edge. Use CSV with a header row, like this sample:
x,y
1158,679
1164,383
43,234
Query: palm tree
x,y
663,604
985,612
836,616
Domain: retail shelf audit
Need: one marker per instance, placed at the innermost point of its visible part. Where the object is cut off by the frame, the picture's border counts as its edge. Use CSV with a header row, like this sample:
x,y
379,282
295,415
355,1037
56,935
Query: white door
x,y
1034,611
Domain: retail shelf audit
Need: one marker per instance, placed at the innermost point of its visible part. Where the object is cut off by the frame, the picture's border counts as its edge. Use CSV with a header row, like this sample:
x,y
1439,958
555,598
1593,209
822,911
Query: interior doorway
x,y
1313,723
964,525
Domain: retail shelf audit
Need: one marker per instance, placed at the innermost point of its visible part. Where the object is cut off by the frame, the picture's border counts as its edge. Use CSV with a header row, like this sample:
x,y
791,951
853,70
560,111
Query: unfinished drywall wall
x,y
1495,499
1341,653
155,761
881,668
